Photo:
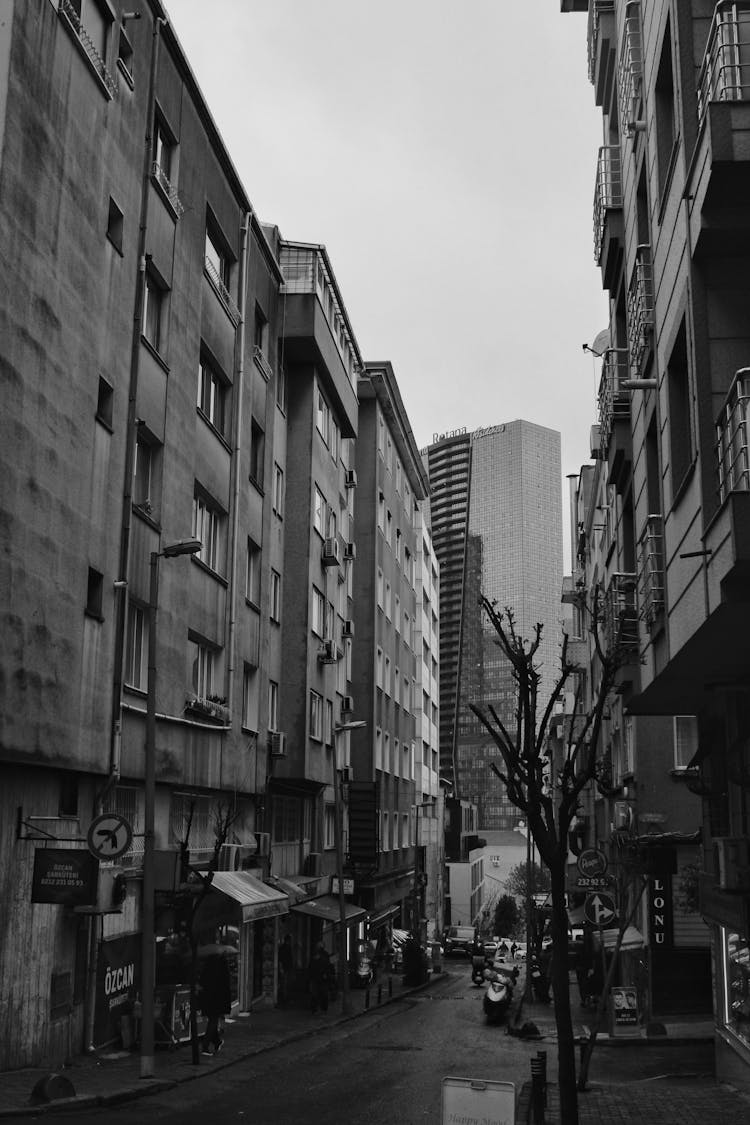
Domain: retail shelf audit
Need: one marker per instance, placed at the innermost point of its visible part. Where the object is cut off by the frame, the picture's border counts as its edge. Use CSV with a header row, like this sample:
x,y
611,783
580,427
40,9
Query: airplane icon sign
x,y
109,835
599,909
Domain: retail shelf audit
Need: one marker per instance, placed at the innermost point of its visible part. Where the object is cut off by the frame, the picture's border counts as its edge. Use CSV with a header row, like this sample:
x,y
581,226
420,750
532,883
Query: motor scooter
x,y
498,995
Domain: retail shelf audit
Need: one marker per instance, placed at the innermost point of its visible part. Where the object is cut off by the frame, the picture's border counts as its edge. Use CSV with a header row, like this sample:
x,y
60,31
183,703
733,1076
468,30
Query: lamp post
x,y
181,547
338,729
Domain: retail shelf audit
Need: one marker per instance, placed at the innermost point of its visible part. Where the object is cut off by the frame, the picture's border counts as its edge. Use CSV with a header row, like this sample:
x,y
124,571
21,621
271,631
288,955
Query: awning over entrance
x,y
327,908
254,898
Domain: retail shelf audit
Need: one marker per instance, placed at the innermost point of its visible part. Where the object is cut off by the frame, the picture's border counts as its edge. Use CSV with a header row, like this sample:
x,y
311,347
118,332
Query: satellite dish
x,y
601,342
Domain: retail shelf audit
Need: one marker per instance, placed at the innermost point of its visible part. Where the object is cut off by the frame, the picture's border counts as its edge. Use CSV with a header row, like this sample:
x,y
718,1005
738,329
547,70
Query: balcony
x,y
630,72
719,174
316,325
615,442
169,192
221,290
608,229
640,307
621,614
70,13
651,572
601,43
732,432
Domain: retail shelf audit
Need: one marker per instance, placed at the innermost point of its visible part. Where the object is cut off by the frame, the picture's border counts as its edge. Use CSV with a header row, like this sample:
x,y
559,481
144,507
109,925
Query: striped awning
x,y
243,891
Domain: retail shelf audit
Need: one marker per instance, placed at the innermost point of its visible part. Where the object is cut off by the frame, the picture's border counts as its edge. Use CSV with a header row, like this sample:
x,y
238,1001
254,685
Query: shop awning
x,y
327,908
254,898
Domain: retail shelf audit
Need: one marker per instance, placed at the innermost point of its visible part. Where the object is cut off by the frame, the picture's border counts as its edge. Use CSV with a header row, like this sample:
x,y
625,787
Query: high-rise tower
x,y
495,506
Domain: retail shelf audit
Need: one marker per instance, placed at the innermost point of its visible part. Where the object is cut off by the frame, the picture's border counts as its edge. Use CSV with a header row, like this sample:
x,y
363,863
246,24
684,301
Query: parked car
x,y
458,941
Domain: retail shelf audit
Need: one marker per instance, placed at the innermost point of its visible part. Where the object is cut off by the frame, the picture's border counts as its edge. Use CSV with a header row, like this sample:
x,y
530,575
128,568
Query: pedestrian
x,y
215,1000
319,976
286,967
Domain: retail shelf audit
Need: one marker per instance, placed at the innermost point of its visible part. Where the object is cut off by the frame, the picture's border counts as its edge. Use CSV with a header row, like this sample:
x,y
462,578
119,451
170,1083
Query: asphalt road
x,y
385,1067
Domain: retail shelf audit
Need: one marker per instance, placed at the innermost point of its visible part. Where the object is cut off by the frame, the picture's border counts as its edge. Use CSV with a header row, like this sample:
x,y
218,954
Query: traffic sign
x,y
109,836
592,862
599,909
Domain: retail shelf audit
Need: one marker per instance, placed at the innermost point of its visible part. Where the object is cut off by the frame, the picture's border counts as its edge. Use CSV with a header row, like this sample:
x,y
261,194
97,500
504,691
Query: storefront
x,y
321,919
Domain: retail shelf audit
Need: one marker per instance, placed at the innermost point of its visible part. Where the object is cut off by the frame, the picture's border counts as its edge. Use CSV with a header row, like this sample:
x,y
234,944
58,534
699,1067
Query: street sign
x,y
592,862
472,1099
109,836
593,882
599,909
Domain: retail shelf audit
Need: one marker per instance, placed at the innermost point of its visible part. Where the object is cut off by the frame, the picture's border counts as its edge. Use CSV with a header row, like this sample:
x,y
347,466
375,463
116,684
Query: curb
x,y
160,1085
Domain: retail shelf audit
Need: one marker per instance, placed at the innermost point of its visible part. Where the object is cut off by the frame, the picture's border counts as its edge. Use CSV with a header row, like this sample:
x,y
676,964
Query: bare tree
x,y
550,801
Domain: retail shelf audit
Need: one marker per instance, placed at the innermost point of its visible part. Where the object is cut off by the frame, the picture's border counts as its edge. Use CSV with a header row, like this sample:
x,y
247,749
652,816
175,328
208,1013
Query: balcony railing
x,y
621,613
614,399
74,21
171,192
640,306
221,289
630,70
725,71
607,192
596,7
733,437
651,571
306,270
262,363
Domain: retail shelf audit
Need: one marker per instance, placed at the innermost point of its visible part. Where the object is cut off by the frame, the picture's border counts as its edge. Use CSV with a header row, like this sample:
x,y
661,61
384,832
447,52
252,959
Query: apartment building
x,y
386,777
181,392
669,237
496,521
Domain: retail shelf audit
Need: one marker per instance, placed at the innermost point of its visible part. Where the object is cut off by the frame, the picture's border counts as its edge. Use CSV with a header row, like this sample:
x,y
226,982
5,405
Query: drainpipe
x,y
121,585
238,397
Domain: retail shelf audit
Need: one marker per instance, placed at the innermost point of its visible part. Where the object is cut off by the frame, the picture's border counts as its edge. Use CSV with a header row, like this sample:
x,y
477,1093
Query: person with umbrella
x,y
215,999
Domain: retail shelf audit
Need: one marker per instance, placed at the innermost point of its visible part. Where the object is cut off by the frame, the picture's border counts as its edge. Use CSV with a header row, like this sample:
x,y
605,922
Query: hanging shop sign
x,y
118,974
65,876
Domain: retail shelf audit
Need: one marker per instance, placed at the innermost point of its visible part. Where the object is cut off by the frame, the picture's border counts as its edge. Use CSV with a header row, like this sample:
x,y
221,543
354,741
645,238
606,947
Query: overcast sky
x,y
445,155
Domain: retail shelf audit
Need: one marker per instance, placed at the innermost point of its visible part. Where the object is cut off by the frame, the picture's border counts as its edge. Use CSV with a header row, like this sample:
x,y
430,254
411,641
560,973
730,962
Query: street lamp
x,y
148,961
338,729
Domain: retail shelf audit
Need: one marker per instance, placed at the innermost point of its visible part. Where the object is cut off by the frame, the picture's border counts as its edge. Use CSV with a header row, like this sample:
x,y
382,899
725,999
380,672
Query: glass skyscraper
x,y
496,517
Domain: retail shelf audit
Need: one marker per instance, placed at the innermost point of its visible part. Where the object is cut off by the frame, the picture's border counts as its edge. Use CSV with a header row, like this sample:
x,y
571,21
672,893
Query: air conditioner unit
x,y
347,704
312,863
331,549
277,742
328,653
350,551
347,629
732,863
263,840
234,857
350,478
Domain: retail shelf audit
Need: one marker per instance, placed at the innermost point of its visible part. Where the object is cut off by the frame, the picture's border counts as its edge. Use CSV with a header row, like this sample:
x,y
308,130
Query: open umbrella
x,y
217,948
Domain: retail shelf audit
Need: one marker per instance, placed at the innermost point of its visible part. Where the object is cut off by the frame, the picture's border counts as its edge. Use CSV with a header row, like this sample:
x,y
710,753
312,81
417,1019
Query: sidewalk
x,y
666,1101
111,1076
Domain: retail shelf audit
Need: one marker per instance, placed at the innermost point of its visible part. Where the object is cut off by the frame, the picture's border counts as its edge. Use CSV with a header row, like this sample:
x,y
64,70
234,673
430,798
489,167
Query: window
x,y
388,600
387,675
388,528
398,544
319,512
387,752
379,668
94,592
154,306
332,524
398,475
318,612
144,475
381,511
208,523
378,749
278,491
334,440
260,331
212,395
664,118
250,697
136,647
257,453
90,21
322,417
328,731
104,403
681,451
330,826
163,151
381,434
396,686
217,259
380,587
316,716
252,577
385,843
281,380
114,225
202,669
685,740
273,705
388,451
275,596
125,57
